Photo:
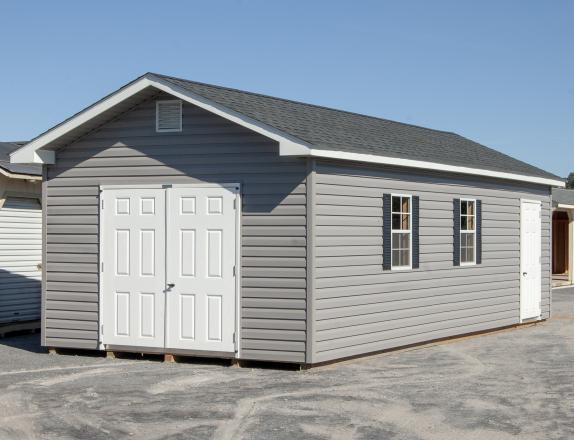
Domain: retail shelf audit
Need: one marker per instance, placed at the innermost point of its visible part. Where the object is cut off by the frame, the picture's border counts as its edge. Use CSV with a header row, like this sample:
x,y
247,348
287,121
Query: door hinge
x,y
102,266
235,203
102,203
102,329
234,337
233,270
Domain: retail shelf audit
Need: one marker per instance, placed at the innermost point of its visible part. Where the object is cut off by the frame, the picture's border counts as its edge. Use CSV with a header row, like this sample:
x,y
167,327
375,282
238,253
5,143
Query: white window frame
x,y
403,231
473,262
168,130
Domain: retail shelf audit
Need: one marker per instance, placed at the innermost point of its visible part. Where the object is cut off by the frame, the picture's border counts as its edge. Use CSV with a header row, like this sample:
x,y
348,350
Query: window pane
x,y
405,205
396,241
470,255
405,257
463,222
396,204
396,221
405,221
405,241
467,248
470,223
463,209
470,208
396,258
467,239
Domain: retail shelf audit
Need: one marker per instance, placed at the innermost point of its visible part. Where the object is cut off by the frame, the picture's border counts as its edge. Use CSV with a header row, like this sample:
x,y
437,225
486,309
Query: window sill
x,y
400,268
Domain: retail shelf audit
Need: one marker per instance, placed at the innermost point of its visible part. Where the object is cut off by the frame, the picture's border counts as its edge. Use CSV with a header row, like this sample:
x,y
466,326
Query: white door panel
x,y
530,259
133,278
200,264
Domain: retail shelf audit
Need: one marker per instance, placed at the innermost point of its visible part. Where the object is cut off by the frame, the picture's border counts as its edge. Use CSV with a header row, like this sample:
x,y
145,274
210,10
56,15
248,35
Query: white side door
x,y
201,253
133,277
530,259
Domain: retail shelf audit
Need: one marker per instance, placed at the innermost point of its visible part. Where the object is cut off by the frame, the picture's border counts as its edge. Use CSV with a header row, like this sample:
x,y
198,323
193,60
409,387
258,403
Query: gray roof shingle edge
x,y
16,168
332,129
564,196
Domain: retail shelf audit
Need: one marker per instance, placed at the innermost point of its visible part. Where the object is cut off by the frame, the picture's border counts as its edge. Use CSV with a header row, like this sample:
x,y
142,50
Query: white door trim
x,y
521,277
238,214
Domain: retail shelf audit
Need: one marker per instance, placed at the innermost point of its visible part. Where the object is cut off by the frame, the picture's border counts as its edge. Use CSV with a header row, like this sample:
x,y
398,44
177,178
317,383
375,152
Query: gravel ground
x,y
510,384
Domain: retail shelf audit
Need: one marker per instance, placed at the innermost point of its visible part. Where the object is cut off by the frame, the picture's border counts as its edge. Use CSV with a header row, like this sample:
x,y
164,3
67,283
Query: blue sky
x,y
498,72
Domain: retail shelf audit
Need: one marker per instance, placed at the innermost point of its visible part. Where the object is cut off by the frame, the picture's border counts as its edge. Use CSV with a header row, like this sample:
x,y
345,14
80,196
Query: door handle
x,y
170,286
524,274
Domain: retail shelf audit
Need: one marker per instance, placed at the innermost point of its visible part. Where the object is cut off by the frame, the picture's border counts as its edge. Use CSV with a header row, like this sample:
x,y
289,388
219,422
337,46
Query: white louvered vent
x,y
167,116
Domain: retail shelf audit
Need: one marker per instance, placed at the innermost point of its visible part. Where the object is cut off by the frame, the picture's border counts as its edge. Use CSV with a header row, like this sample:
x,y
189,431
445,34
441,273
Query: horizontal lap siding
x,y
20,254
359,308
210,149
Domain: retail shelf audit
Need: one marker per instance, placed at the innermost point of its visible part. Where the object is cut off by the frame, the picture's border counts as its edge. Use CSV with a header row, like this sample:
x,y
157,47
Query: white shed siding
x,y
20,254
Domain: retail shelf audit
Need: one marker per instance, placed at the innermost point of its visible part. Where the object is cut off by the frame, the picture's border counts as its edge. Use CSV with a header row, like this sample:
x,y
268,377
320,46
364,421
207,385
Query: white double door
x,y
168,272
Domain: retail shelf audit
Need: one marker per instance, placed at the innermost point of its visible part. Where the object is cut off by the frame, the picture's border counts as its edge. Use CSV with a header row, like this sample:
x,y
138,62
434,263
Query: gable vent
x,y
167,116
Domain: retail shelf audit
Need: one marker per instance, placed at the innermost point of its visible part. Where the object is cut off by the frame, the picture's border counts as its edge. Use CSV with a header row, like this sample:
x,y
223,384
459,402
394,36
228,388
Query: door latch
x,y
170,286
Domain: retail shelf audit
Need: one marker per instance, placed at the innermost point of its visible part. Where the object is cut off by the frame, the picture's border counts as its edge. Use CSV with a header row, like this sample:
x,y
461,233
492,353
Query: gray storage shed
x,y
188,218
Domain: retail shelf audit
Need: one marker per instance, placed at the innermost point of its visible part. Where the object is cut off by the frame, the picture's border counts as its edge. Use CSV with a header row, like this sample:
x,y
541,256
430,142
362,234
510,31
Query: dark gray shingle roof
x,y
5,149
565,196
331,129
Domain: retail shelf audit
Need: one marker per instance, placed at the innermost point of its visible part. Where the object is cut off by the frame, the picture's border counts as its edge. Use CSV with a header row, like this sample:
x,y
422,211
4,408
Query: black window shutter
x,y
478,231
415,232
386,232
456,232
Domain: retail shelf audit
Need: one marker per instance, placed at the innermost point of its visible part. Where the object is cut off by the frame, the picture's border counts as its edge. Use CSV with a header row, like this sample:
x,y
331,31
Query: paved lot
x,y
510,384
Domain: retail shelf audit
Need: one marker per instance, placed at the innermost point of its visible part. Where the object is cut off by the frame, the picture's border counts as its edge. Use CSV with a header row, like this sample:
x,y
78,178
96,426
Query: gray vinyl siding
x,y
359,308
209,149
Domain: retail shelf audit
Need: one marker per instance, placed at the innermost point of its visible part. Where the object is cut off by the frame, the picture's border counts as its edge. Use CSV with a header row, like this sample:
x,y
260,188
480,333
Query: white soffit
x,y
288,144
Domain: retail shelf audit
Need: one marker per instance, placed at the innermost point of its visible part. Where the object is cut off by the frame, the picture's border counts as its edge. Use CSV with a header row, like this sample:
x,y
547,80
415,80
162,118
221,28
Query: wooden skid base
x,y
179,358
28,326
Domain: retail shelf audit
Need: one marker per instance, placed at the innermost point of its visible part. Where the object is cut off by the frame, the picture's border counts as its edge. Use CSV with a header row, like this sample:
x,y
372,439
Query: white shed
x,y
20,239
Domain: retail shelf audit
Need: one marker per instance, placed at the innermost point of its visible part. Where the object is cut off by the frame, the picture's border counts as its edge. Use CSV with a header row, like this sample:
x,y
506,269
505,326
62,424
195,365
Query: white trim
x,y
136,186
101,345
473,231
238,295
403,231
288,145
28,152
168,130
563,206
410,163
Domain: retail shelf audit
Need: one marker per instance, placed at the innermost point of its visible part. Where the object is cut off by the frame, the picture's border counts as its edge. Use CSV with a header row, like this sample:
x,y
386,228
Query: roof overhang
x,y
41,149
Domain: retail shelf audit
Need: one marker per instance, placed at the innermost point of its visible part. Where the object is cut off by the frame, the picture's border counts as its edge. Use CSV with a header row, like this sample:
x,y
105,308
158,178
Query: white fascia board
x,y
370,158
564,206
31,153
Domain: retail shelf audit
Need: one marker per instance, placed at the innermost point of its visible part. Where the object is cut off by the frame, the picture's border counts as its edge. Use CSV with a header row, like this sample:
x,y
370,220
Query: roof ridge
x,y
302,103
